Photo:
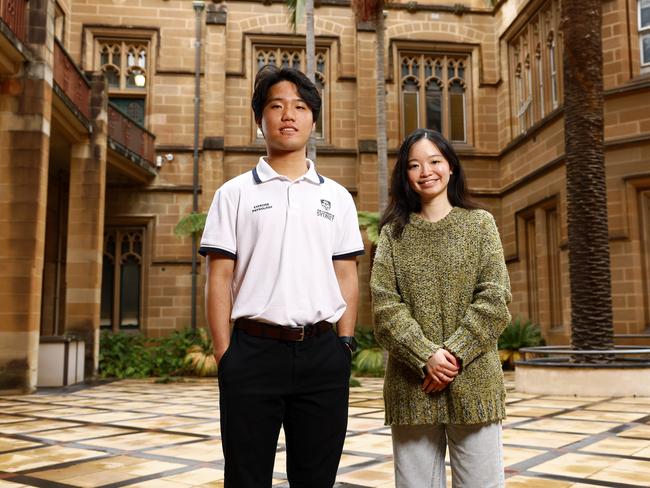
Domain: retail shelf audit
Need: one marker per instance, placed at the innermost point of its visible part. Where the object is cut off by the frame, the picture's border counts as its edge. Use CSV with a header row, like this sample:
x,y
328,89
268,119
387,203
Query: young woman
x,y
440,290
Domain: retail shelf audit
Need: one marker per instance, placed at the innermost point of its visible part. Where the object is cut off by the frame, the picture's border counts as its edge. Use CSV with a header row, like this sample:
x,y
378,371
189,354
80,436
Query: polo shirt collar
x,y
264,172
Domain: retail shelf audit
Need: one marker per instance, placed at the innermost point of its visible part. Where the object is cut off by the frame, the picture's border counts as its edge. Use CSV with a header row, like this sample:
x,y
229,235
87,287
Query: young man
x,y
281,243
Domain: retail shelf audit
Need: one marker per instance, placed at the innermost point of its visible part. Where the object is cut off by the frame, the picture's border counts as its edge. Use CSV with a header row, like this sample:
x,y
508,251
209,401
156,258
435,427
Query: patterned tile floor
x,y
143,434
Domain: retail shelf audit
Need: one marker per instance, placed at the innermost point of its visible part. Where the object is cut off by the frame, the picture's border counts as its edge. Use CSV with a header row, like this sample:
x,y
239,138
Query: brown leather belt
x,y
294,333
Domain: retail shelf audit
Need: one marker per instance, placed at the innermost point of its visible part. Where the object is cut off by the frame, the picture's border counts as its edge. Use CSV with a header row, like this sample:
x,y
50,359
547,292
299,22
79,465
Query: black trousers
x,y
303,386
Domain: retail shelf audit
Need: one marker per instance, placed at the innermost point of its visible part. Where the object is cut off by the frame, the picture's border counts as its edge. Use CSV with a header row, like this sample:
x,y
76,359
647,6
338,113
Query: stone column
x,y
86,228
25,113
367,197
214,92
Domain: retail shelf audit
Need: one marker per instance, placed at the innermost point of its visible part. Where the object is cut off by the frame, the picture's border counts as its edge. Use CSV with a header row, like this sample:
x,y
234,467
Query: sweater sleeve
x,y
395,328
487,314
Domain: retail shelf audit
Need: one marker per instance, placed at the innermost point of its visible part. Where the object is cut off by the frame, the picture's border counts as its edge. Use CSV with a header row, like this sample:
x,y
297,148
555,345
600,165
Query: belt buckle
x,y
296,328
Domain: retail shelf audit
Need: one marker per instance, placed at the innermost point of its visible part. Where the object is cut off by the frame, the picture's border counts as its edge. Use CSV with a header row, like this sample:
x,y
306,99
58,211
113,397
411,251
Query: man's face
x,y
287,121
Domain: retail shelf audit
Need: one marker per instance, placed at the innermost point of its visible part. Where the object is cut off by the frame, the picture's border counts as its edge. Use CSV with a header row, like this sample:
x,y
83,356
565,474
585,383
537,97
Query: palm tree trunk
x,y
382,149
589,262
310,49
373,10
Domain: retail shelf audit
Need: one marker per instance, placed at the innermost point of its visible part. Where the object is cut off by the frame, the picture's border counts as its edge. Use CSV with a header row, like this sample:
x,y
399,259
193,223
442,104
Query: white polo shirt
x,y
284,235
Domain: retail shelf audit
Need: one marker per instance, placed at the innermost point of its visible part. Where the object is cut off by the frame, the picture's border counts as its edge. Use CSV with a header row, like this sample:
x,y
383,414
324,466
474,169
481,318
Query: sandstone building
x,y
97,131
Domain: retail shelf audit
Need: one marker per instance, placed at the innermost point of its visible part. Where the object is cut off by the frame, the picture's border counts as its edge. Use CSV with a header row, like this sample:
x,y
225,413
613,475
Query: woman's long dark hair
x,y
403,200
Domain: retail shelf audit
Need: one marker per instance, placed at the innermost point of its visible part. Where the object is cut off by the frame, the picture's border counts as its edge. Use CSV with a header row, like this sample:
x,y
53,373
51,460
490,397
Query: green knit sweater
x,y
442,284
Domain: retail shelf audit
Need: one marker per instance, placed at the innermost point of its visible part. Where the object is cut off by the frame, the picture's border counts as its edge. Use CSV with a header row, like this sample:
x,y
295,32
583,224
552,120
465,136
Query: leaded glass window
x,y
540,80
644,33
434,105
434,93
535,67
521,98
125,64
553,70
122,279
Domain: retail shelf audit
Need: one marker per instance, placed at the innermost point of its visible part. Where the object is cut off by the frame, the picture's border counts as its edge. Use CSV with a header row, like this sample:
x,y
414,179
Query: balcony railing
x,y
14,14
71,80
131,135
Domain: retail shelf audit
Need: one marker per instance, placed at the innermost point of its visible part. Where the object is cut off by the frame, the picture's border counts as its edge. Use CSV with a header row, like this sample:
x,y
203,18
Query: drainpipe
x,y
198,6
59,258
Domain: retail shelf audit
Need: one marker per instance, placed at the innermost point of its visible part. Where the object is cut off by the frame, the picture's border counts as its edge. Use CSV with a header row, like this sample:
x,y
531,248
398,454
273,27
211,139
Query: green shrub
x,y
365,338
516,335
123,356
370,222
520,334
135,356
368,360
168,353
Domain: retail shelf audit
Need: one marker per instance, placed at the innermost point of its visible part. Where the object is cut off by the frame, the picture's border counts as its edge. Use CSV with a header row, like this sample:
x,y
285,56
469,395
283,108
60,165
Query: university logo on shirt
x,y
326,204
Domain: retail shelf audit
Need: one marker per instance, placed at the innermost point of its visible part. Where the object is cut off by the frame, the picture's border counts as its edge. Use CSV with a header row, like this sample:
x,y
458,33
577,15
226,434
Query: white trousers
x,y
475,452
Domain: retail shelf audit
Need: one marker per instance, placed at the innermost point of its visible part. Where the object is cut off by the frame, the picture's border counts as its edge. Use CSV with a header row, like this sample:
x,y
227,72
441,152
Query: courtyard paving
x,y
143,434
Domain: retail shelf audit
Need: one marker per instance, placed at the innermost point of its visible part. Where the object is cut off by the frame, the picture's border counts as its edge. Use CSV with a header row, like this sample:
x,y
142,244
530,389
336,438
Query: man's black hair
x,y
270,74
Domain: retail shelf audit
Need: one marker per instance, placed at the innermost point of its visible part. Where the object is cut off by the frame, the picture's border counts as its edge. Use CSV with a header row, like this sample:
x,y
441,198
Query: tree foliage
x,y
123,355
193,223
369,221
296,12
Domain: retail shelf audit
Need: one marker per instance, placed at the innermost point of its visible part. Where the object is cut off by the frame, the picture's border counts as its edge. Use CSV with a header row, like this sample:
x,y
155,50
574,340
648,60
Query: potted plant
x,y
518,334
200,359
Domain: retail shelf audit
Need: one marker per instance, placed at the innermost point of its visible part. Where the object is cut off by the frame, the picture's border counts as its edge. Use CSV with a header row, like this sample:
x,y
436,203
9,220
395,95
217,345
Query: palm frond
x,y
296,12
370,222
520,334
369,361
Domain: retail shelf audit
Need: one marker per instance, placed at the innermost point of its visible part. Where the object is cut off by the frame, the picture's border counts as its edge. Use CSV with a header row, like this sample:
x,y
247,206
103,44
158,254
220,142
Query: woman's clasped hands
x,y
440,370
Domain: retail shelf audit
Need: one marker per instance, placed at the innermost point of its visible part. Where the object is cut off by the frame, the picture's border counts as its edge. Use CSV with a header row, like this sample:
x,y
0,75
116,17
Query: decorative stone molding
x,y
366,26
213,143
368,146
217,14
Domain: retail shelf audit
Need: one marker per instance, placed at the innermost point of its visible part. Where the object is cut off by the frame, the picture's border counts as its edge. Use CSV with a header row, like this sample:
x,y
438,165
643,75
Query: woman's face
x,y
428,171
